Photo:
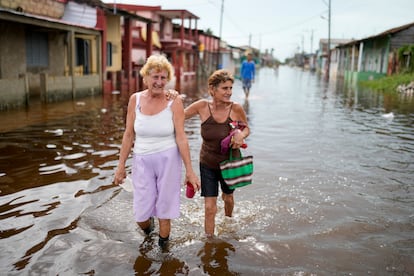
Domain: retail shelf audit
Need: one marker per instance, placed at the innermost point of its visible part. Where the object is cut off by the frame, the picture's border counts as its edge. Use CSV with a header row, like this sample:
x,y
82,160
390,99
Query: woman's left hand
x,y
237,140
194,180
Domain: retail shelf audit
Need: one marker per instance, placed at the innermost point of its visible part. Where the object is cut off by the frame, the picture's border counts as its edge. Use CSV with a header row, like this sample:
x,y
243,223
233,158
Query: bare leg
x,y
228,204
246,91
147,226
165,227
163,237
210,210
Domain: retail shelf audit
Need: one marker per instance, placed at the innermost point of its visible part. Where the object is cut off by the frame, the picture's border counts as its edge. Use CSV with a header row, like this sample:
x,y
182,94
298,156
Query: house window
x,y
109,54
37,49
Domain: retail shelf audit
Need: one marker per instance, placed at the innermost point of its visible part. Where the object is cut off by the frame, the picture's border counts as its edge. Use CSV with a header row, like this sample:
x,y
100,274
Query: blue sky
x,y
290,25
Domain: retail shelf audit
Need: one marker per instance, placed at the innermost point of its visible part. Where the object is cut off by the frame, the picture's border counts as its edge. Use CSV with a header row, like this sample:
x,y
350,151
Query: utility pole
x,y
328,60
219,42
311,42
303,44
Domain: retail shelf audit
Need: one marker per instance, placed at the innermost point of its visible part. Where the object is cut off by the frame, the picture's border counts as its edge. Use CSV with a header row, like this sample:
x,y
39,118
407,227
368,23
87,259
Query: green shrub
x,y
406,59
390,83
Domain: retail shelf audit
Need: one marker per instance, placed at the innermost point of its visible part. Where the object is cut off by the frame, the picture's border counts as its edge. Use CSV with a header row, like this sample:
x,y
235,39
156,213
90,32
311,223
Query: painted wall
x,y
375,56
114,36
49,8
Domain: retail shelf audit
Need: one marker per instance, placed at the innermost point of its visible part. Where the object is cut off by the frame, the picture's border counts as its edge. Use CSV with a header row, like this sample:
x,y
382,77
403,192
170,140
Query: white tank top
x,y
153,133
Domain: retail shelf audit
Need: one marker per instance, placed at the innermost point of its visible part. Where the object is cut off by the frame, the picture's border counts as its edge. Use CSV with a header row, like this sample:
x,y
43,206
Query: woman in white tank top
x,y
155,131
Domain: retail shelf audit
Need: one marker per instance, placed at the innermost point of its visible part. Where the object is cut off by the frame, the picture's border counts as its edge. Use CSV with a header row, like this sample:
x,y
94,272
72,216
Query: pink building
x,y
171,32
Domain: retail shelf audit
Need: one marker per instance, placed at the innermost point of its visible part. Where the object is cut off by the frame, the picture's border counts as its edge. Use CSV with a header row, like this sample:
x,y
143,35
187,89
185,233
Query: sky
x,y
290,26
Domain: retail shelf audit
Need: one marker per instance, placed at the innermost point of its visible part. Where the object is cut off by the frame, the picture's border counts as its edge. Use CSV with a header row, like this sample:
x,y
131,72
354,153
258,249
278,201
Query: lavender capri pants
x,y
157,185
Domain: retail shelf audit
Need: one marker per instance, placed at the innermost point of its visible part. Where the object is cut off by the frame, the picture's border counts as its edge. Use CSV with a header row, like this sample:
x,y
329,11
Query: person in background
x,y
155,130
216,115
247,73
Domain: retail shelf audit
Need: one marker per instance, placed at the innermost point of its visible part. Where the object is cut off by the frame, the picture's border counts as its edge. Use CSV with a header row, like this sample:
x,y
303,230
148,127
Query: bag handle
x,y
231,154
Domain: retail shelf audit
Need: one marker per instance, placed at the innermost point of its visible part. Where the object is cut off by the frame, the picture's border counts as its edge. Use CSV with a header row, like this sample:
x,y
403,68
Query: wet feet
x,y
163,243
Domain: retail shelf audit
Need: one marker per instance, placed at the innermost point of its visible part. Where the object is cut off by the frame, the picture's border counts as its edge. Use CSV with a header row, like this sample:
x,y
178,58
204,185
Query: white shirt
x,y
153,133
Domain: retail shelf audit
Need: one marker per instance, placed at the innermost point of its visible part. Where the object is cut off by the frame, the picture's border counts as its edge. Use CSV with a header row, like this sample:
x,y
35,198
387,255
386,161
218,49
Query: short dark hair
x,y
220,76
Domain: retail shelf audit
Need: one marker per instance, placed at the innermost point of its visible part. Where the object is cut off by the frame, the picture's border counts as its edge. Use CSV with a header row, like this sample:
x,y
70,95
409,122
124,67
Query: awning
x,y
155,37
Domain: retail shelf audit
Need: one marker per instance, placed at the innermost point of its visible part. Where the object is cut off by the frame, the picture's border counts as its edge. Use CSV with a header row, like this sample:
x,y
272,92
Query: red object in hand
x,y
244,146
190,192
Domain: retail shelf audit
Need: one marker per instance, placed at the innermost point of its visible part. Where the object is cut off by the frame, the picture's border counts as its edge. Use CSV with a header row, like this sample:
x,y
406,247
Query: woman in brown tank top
x,y
216,115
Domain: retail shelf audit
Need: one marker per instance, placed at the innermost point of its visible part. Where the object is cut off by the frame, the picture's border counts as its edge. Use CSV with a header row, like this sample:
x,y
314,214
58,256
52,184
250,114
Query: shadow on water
x,y
332,191
213,255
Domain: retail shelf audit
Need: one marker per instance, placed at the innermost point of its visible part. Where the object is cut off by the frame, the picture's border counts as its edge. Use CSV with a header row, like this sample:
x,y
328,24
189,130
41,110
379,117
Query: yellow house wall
x,y
114,36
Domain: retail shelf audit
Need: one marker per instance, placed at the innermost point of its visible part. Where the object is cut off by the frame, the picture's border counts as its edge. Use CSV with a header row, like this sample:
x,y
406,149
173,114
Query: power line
x,y
283,29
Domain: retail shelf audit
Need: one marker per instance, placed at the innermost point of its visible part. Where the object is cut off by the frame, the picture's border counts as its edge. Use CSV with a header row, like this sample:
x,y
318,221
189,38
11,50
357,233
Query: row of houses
x,y
387,53
373,57
384,54
55,50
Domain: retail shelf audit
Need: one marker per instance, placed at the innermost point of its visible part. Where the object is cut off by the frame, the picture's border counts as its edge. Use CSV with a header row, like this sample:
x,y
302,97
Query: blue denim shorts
x,y
210,179
247,83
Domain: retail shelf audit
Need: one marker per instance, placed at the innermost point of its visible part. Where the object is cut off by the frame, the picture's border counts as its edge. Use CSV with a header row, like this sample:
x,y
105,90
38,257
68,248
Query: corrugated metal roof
x,y
391,31
10,15
77,13
385,33
93,3
335,41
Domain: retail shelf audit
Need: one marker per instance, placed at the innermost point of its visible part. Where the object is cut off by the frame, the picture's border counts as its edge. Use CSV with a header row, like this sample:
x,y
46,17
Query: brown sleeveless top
x,y
212,133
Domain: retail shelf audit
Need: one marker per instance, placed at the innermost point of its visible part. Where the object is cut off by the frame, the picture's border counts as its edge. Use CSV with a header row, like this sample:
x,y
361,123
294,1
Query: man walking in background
x,y
247,73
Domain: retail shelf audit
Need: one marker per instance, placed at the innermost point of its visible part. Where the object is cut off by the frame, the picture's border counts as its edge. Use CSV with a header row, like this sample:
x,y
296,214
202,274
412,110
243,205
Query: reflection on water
x,y
168,264
332,192
214,258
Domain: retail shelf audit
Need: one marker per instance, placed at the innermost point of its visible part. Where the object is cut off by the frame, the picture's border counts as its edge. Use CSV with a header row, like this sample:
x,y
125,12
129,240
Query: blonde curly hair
x,y
156,63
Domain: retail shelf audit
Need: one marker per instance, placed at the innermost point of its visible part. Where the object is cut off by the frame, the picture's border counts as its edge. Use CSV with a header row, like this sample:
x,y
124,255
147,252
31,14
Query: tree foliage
x,y
406,59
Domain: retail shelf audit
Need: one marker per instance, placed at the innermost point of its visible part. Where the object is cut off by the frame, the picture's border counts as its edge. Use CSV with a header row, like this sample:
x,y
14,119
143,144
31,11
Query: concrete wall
x,y
50,8
63,88
88,85
12,50
58,54
13,55
13,93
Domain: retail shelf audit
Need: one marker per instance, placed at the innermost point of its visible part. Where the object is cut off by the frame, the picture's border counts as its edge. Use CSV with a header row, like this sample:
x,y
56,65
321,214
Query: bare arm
x,y
196,108
127,141
238,114
182,142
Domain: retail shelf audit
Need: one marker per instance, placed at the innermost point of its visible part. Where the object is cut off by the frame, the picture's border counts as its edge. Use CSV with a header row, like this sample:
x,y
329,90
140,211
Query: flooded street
x,y
332,193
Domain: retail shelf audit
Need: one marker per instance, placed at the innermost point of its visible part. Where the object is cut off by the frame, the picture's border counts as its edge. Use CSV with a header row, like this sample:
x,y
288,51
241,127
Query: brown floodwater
x,y
332,192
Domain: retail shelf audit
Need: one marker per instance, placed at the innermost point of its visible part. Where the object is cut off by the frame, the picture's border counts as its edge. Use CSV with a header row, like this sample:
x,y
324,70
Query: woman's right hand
x,y
120,175
171,94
